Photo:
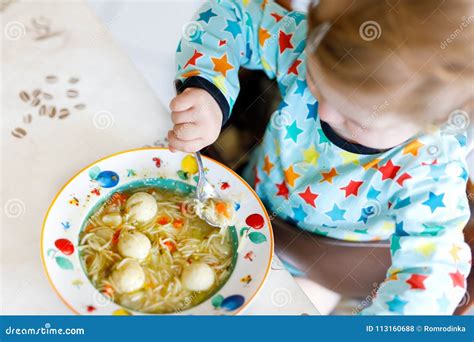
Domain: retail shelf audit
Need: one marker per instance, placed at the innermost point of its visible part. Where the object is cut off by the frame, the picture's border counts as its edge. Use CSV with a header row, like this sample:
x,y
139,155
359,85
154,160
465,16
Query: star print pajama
x,y
412,194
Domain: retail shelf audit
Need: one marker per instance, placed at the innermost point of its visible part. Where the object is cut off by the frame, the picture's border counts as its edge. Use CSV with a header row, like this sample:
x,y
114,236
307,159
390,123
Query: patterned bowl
x,y
158,167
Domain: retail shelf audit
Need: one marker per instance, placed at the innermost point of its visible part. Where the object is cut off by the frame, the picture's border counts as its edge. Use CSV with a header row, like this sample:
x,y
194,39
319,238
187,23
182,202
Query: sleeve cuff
x,y
202,83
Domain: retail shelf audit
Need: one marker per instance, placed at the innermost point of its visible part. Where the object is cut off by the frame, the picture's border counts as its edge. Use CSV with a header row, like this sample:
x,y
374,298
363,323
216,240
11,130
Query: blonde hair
x,y
420,49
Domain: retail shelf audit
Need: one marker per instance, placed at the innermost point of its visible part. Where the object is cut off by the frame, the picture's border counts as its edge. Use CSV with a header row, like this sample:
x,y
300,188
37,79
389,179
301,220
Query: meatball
x,y
133,244
198,277
128,277
141,207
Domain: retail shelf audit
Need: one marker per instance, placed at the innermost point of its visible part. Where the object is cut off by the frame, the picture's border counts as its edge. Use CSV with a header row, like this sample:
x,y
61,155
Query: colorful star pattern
x,y
412,194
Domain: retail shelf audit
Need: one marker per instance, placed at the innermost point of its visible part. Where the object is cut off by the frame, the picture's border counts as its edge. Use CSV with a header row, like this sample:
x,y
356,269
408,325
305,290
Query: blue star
x,y
366,213
297,16
312,111
233,28
301,87
282,105
437,170
336,214
443,303
248,51
206,16
402,202
299,214
434,201
292,132
300,46
179,47
373,193
399,229
236,206
464,175
394,244
462,139
397,304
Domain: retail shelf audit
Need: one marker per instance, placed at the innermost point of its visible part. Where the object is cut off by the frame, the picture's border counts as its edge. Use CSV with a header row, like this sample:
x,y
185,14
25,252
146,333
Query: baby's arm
x,y
430,260
224,36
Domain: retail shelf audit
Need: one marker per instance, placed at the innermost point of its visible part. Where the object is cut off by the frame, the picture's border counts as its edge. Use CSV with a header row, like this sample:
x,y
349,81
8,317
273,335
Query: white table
x,y
66,41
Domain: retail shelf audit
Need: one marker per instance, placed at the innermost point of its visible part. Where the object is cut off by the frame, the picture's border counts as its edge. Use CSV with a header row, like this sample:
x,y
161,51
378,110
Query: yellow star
x,y
413,147
265,64
267,165
311,156
351,236
219,81
277,147
372,163
349,157
263,35
328,176
426,249
221,65
387,226
454,252
291,176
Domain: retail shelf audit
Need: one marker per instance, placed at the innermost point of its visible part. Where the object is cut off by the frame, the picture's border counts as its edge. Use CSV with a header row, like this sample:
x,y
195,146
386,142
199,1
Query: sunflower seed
x,y
51,111
36,101
36,92
42,110
73,80
72,93
24,96
47,96
27,118
80,106
63,113
51,79
19,132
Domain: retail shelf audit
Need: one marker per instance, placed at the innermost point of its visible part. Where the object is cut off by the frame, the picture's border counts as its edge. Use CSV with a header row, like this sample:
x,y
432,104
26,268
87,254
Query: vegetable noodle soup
x,y
148,251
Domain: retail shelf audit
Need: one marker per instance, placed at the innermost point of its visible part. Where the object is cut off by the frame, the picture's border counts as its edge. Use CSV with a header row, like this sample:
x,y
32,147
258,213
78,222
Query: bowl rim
x,y
53,202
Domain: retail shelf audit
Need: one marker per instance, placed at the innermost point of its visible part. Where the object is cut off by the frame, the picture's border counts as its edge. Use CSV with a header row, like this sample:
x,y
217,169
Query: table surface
x,y
62,49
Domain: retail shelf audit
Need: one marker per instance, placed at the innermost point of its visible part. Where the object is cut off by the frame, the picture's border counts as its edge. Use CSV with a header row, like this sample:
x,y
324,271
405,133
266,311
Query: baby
x,y
369,141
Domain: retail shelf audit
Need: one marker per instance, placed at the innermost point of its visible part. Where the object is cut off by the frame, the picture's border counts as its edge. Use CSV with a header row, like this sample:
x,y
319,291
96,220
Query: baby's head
x,y
383,70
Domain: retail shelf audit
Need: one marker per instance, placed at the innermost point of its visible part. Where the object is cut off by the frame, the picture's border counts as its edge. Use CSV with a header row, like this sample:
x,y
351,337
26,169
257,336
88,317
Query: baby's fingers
x,y
181,145
187,131
184,116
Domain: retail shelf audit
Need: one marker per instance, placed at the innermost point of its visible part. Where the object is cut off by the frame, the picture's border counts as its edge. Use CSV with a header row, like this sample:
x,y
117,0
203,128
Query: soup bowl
x,y
251,235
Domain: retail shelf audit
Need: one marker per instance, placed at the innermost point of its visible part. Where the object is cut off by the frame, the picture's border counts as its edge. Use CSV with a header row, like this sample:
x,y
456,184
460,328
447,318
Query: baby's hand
x,y
197,120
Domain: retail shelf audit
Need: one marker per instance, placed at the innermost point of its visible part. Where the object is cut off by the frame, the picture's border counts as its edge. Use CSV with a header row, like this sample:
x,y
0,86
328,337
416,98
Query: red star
x,y
284,40
276,16
416,281
193,59
282,190
458,279
403,178
222,42
294,67
257,180
389,170
352,188
309,197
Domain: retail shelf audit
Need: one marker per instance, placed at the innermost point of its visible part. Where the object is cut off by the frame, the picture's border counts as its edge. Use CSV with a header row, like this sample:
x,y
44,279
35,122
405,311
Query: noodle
x,y
176,240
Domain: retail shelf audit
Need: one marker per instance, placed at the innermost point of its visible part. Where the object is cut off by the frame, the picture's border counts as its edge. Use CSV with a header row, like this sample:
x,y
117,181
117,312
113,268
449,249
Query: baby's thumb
x,y
183,101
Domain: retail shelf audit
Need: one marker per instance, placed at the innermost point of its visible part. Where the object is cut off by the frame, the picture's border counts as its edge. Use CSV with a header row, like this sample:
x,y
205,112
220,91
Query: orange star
x,y
191,73
268,165
373,163
328,176
221,65
291,176
413,147
263,35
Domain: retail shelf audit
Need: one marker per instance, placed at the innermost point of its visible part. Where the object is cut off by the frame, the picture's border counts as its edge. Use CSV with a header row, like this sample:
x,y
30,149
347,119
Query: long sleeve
x,y
227,35
430,260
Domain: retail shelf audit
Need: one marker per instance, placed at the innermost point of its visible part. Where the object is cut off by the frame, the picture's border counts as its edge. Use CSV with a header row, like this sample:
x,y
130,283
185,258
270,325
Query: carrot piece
x,y
170,246
178,223
163,220
116,236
